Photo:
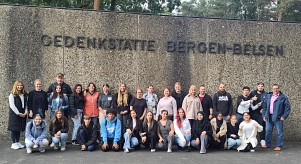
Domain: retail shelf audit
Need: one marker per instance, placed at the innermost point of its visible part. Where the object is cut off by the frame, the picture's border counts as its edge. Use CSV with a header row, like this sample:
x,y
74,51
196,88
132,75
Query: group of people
x,y
127,121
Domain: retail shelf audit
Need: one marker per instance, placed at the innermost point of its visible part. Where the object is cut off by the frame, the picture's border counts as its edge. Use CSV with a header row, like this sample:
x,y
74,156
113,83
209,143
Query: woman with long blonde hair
x,y
17,113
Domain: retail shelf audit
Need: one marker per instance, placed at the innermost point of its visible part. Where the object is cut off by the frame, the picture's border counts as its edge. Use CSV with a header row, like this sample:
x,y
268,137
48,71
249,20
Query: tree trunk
x,y
96,4
113,4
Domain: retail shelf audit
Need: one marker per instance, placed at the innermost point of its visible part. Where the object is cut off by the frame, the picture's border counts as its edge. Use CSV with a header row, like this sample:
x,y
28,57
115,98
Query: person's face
x,y
91,88
260,87
220,117
111,116
19,87
164,115
221,88
38,85
139,93
193,92
202,90
87,121
166,92
200,116
78,89
245,92
233,120
181,113
37,120
150,89
133,114
246,117
122,87
59,115
149,116
105,89
58,89
275,90
59,80
178,88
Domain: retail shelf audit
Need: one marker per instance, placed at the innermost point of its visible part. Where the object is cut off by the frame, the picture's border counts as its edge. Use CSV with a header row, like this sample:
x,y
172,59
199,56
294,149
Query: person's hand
x,y
143,139
217,135
263,119
218,140
115,146
188,131
104,146
83,147
36,143
76,116
59,132
260,110
228,117
197,141
20,115
254,98
45,114
104,113
210,116
241,128
57,136
259,104
256,126
171,133
64,94
281,118
129,131
141,118
156,119
233,135
142,134
184,142
161,140
30,113
203,133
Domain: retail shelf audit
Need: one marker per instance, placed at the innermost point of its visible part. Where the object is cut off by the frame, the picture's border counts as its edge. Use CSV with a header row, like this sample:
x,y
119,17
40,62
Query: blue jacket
x,y
54,105
36,133
281,107
110,130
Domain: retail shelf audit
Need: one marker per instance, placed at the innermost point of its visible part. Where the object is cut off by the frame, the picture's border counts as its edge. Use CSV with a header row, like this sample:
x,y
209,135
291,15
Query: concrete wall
x,y
22,56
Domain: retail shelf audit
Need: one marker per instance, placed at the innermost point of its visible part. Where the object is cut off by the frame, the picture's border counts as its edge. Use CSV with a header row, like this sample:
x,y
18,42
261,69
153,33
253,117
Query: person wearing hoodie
x,y
256,114
201,132
182,129
110,131
87,134
35,134
222,102
178,95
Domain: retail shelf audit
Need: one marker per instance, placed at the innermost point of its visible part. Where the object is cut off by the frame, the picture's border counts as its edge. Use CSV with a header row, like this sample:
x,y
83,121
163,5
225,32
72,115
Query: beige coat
x,y
191,106
252,139
222,131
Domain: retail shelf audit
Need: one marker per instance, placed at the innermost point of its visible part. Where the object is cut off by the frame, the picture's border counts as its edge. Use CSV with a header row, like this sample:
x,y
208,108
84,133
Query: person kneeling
x,y
165,132
131,136
87,134
35,135
248,130
110,131
182,130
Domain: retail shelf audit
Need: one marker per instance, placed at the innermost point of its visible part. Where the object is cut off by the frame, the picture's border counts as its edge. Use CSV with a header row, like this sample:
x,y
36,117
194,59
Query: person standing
x,y
222,102
138,104
178,95
37,101
167,103
151,99
57,100
66,89
276,108
256,114
206,102
105,101
17,113
90,100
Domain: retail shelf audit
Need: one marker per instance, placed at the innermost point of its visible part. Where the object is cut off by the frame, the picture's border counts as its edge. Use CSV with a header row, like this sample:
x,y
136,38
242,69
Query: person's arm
x,y
184,104
29,101
158,110
228,128
223,129
259,127
214,102
69,90
78,138
287,108
104,133
51,131
178,131
49,102
201,107
12,104
264,107
130,98
44,132
28,134
66,106
50,90
99,103
73,110
210,106
145,109
132,104
194,133
230,106
66,126
117,132
94,136
172,129
159,134
174,107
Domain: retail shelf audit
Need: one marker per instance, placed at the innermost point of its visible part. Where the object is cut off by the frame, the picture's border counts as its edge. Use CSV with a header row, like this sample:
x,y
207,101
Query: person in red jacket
x,y
91,99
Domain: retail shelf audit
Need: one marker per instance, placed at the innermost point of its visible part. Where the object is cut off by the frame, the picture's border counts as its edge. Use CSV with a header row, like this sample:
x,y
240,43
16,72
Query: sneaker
x,y
29,151
42,151
60,144
74,142
20,145
126,150
277,149
14,146
202,152
35,146
52,144
169,150
55,147
262,142
153,150
187,149
252,150
63,148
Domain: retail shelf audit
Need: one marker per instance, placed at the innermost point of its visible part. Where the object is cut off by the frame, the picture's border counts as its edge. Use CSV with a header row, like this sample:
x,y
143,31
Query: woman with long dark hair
x,y
149,135
76,110
131,136
219,130
17,113
91,99
165,132
58,129
182,130
57,100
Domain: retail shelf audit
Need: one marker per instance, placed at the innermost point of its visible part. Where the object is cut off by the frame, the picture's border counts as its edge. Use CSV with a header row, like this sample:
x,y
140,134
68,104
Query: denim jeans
x,y
129,141
225,118
76,123
180,142
29,144
83,137
269,131
95,120
233,143
202,145
61,139
239,118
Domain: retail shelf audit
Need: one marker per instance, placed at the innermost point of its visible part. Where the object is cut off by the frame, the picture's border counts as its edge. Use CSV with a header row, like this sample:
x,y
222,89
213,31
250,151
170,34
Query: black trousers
x,y
151,140
258,118
110,145
219,145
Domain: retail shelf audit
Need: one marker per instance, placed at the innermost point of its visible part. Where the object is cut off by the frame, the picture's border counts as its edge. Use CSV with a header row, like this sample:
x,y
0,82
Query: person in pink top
x,y
167,103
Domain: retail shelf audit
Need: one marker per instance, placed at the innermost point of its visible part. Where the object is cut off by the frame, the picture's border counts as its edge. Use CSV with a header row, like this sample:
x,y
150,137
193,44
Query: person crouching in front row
x,y
219,130
110,131
87,134
149,135
165,132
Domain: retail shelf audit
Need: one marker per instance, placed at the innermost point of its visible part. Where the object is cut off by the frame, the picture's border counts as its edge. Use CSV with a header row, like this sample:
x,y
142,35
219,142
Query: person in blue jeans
x,y
57,100
232,133
58,129
35,134
87,134
275,110
131,136
76,102
182,129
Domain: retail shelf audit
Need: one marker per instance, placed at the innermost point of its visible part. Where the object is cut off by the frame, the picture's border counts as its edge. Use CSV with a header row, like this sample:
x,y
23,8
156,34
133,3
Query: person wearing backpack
x,y
111,131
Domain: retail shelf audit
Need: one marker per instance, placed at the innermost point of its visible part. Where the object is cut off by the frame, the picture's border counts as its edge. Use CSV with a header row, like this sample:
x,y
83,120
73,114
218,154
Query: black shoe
x,y
187,149
180,148
74,142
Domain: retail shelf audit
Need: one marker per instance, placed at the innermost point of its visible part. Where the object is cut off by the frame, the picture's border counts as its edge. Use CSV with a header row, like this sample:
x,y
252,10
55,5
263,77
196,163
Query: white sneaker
x,y
153,150
202,152
63,148
29,151
169,150
60,144
55,147
126,150
20,145
42,151
35,146
252,150
52,144
15,146
262,142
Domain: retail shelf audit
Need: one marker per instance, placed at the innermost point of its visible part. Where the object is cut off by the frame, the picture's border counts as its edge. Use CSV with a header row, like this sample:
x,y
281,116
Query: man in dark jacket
x,y
37,100
222,102
178,94
87,134
65,89
275,110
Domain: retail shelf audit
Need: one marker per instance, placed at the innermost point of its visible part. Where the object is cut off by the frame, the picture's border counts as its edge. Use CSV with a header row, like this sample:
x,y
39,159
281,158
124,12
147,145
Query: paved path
x,y
291,154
